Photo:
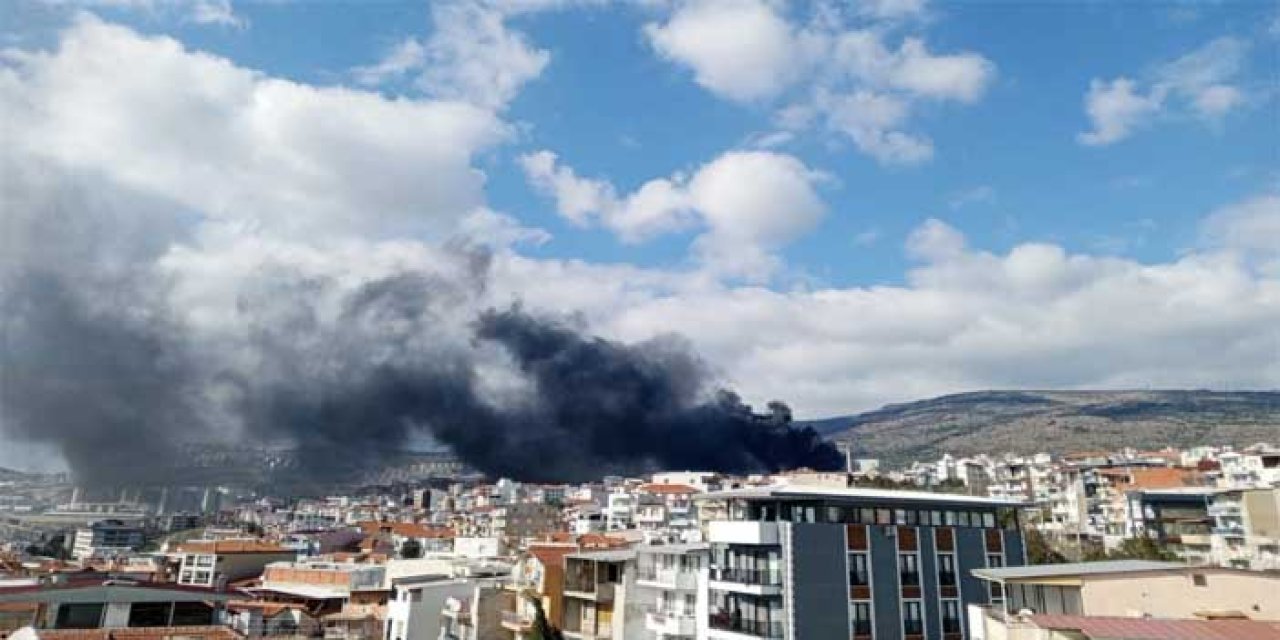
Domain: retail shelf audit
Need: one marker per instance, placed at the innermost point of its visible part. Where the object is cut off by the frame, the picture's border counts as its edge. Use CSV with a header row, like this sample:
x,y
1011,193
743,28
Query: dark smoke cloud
x,y
96,361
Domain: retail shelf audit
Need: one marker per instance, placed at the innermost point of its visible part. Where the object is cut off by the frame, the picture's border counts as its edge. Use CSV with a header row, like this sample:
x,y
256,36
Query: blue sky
x,y
1006,169
839,204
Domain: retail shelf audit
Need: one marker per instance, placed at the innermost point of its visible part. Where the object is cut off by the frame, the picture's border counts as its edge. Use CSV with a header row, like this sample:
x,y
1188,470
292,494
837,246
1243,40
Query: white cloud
x,y
750,203
1115,109
216,12
741,49
893,9
473,56
980,194
204,12
489,227
1199,83
242,147
405,57
969,319
833,75
1251,225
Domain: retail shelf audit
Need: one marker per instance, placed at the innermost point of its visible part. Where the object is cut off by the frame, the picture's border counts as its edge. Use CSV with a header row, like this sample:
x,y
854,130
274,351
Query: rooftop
x,y
616,555
1097,627
853,494
1031,572
231,546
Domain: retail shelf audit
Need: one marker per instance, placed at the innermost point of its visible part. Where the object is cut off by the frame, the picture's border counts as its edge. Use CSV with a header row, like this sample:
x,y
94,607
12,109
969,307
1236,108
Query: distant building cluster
x,y
1206,505
941,550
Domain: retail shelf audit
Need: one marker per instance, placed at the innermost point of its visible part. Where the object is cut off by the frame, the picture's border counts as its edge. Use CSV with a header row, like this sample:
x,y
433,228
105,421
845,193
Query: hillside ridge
x,y
1029,421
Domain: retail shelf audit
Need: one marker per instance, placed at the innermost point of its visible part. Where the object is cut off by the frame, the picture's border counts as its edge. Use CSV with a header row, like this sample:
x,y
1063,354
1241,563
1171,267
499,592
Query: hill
x,y
1057,421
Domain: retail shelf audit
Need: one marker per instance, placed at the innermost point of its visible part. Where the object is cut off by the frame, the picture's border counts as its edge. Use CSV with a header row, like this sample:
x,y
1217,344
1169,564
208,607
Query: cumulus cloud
x,y
749,203
1115,108
834,71
741,49
243,148
1199,83
472,55
1251,225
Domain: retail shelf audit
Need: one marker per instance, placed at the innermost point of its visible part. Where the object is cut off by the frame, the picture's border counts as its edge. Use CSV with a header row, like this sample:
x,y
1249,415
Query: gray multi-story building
x,y
795,562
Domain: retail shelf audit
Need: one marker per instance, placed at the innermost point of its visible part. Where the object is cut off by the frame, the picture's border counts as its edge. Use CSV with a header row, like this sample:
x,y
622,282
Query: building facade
x,y
795,562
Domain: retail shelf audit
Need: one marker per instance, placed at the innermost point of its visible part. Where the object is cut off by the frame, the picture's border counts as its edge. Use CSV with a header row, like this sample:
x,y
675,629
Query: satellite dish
x,y
25,633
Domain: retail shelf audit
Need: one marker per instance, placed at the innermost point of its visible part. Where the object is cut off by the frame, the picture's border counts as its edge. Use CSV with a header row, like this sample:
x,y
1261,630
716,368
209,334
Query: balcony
x,y
602,592
1225,509
1229,532
744,532
761,582
667,579
670,623
737,628
516,621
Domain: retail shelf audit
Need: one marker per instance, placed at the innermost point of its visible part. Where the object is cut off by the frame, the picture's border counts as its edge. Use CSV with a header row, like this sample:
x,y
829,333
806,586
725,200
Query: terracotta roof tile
x,y
1155,629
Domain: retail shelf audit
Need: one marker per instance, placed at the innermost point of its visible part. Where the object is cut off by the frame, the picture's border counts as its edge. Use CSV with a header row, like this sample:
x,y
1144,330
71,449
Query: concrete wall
x,y
1174,595
819,581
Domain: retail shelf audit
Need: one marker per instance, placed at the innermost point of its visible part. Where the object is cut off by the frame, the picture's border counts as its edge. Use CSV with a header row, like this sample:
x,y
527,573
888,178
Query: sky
x,y
836,204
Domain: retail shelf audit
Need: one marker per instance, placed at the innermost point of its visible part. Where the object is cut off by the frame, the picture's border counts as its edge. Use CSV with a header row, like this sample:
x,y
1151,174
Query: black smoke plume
x,y
98,361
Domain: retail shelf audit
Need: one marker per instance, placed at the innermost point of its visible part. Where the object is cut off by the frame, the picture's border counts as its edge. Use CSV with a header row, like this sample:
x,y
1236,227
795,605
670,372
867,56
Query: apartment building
x,y
216,563
538,575
1137,588
1246,528
417,602
594,590
106,538
795,562
666,590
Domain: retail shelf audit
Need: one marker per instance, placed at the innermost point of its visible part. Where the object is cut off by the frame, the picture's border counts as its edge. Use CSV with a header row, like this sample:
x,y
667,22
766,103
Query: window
x,y
185,578
989,520
415,595
883,516
909,569
202,577
861,614
833,514
947,569
949,518
1199,580
950,616
858,575
912,625
899,516
995,560
963,518
866,515
935,518
913,517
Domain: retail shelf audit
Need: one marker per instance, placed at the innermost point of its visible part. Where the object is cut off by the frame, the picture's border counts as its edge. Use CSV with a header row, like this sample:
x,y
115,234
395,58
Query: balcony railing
x,y
516,619
758,628
764,577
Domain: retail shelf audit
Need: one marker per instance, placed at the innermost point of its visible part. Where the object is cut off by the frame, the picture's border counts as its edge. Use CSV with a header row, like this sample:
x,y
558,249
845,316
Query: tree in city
x,y
542,628
1039,551
411,549
1142,548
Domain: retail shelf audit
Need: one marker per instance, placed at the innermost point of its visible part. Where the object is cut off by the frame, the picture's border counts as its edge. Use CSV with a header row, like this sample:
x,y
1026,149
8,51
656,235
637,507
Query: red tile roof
x,y
1154,629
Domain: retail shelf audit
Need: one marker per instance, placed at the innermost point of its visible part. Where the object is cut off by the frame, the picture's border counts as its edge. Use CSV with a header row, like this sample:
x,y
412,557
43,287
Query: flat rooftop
x,y
1067,570
611,555
854,494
